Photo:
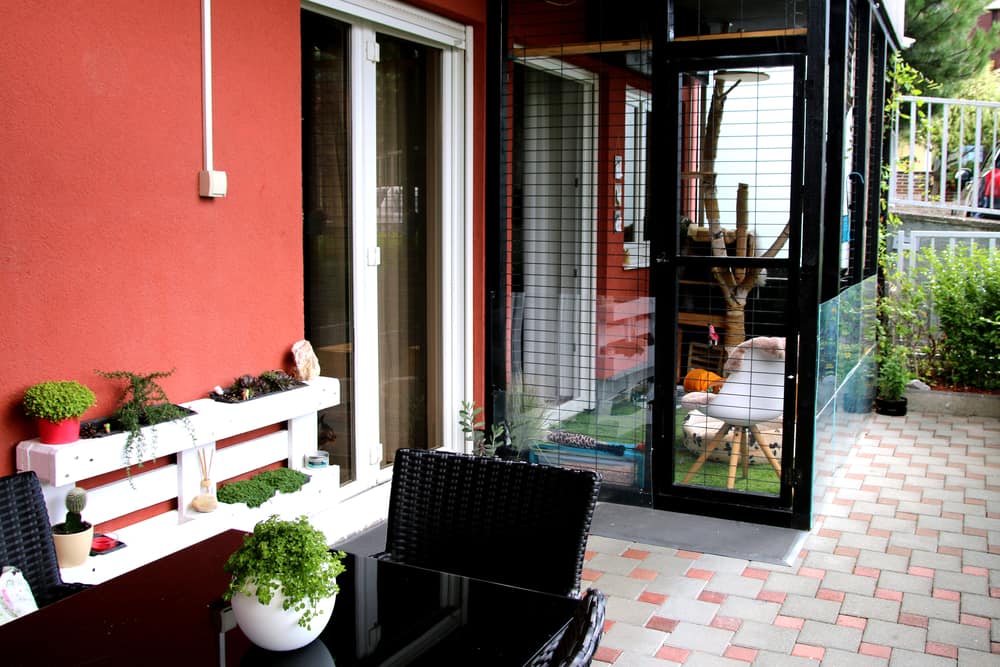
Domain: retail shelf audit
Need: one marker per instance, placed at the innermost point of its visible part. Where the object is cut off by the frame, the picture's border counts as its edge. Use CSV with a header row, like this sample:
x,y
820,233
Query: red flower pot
x,y
59,433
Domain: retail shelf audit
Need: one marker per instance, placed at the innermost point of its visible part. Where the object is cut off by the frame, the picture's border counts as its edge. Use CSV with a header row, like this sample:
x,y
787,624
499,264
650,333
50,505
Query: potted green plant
x,y
284,583
74,536
56,407
143,402
893,376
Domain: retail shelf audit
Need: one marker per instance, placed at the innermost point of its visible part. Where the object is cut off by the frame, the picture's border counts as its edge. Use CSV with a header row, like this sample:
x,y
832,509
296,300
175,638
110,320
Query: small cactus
x,y
76,500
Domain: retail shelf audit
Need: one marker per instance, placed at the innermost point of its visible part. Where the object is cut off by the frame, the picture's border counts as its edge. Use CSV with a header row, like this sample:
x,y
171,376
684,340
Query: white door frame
x,y
449,318
584,395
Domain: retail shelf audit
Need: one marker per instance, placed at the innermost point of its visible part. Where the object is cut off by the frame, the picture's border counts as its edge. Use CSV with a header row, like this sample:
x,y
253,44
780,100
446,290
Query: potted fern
x,y
74,536
284,583
57,407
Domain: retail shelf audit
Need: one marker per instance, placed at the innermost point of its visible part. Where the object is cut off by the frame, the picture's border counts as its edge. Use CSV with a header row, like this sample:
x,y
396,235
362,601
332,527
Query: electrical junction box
x,y
212,183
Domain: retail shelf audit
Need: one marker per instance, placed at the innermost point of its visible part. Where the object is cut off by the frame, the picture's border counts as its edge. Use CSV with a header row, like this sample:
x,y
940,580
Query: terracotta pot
x,y
59,433
73,549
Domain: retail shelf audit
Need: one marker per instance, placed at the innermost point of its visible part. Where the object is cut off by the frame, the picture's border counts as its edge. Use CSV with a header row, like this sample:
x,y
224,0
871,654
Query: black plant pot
x,y
892,408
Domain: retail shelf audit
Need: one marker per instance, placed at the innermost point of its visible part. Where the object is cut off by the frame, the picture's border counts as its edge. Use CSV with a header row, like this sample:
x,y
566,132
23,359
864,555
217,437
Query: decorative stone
x,y
306,362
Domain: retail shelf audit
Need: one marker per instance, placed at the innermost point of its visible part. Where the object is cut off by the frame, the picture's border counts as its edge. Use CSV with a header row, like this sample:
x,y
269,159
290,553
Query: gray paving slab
x,y
746,609
734,584
958,634
929,606
692,636
936,561
905,658
804,606
702,659
634,638
629,611
839,658
872,608
970,658
753,634
963,583
896,635
830,635
883,561
905,583
791,583
772,659
850,583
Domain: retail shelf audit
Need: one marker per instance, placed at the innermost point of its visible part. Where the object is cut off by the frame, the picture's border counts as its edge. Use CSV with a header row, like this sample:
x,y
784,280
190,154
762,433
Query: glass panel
x,y
402,84
327,243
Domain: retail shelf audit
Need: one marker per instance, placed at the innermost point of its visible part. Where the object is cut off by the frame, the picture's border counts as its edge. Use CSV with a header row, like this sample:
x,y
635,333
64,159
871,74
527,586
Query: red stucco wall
x,y
108,258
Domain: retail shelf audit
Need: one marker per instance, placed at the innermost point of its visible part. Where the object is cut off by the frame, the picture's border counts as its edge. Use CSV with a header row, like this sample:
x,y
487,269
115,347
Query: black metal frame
x,y
815,277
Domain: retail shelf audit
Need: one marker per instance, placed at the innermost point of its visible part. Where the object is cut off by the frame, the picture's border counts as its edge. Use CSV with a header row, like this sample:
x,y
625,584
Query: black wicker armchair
x,y
576,645
26,538
510,522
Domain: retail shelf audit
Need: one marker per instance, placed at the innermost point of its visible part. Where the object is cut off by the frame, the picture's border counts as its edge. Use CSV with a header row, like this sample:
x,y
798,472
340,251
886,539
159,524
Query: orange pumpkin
x,y
698,379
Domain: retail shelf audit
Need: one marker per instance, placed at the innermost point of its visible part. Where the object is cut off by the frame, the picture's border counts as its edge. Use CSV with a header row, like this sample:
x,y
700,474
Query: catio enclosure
x,y
682,258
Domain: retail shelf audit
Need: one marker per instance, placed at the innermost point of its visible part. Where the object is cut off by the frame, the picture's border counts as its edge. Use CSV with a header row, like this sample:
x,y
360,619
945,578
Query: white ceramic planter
x,y
275,629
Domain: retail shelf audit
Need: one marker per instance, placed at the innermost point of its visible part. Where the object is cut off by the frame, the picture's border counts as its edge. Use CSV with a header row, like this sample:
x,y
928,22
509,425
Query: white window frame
x,y
638,103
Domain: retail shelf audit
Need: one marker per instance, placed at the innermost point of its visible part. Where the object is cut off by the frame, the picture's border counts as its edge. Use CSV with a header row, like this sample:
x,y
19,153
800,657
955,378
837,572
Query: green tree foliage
x,y
948,48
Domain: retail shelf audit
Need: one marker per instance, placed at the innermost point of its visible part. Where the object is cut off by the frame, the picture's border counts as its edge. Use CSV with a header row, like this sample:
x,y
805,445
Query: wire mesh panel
x,y
579,342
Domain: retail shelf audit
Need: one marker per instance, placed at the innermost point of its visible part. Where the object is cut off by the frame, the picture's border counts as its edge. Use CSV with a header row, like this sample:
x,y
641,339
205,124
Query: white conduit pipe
x,y
206,78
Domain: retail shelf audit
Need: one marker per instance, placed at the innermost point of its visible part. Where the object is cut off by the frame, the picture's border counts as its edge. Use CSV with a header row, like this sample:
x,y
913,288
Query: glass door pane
x,y
403,90
327,237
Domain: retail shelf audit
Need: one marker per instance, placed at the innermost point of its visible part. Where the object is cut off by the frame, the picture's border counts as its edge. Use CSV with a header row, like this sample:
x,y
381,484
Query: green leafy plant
x,y
76,500
143,402
261,487
893,374
290,557
484,441
59,400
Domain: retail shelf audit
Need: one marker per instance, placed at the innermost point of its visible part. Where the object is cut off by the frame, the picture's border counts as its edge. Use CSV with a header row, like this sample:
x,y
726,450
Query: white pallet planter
x,y
60,467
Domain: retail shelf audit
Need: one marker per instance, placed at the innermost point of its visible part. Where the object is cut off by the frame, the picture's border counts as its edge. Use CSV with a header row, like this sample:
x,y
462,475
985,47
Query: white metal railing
x,y
940,151
908,244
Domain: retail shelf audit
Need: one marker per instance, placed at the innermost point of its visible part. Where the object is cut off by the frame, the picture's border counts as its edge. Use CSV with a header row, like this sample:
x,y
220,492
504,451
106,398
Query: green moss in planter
x,y
261,487
285,480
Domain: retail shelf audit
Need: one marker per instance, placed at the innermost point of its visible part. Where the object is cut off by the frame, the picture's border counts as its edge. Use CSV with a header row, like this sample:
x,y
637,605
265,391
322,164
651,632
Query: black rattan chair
x,y
26,538
510,522
576,645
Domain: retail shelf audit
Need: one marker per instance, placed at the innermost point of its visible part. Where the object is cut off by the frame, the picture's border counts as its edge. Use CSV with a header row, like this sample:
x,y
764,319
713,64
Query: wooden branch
x,y
779,242
582,48
742,222
749,34
619,45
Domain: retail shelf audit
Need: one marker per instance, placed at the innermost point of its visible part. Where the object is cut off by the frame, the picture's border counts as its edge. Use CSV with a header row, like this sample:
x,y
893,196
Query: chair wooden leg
x,y
766,449
735,454
715,441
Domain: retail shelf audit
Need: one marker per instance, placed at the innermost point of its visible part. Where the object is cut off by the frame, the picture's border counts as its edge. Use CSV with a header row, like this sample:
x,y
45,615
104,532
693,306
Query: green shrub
x,y
946,311
965,287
